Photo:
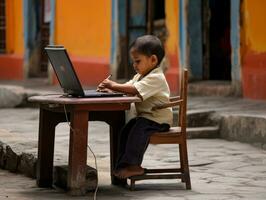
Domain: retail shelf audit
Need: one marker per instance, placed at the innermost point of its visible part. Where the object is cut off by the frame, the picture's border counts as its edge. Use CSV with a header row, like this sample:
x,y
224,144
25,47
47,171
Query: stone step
x,y
210,88
203,132
199,118
11,96
248,129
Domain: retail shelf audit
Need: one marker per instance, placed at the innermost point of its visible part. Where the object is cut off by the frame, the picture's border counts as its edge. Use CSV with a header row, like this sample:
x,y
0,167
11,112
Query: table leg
x,y
78,152
47,123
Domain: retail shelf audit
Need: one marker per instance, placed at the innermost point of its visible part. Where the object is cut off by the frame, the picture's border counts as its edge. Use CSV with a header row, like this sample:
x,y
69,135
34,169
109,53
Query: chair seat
x,y
169,137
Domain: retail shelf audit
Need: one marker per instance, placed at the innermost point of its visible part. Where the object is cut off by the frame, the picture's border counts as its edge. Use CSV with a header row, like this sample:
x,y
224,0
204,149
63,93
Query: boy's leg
x,y
123,137
137,141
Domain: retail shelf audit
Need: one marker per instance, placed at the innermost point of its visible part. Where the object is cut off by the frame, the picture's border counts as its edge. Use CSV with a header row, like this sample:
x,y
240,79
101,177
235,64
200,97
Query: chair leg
x,y
132,184
188,183
181,163
184,165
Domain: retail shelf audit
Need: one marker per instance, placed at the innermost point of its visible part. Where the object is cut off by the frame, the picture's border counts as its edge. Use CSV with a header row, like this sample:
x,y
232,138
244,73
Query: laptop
x,y
67,76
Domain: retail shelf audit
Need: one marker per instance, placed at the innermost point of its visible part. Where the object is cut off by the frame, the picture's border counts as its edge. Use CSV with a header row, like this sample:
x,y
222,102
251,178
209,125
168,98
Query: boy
x,y
151,86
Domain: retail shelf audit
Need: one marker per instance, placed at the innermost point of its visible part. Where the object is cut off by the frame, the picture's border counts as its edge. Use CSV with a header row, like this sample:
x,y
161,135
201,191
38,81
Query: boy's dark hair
x,y
149,45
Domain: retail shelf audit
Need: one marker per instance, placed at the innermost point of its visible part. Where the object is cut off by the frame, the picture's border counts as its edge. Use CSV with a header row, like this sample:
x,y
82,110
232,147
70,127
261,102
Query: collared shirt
x,y
154,90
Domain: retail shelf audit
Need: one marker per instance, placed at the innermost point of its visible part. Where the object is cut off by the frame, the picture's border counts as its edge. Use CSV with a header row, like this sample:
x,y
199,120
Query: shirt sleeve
x,y
149,85
131,81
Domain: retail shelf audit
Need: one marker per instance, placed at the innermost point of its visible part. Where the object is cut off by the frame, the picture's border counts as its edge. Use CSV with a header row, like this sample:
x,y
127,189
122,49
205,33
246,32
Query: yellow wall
x,y
84,27
171,11
14,31
254,27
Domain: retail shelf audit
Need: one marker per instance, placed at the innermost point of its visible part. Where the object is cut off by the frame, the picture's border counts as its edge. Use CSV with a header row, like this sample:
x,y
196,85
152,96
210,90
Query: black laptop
x,y
67,76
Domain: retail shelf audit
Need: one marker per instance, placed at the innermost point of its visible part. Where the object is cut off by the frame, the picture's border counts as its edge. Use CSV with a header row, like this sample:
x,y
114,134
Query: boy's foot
x,y
129,171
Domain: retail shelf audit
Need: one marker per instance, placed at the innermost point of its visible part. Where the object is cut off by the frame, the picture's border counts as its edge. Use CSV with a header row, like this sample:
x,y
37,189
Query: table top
x,y
59,99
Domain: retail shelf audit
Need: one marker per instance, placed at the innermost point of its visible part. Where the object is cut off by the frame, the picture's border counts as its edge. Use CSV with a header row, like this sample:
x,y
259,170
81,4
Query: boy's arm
x,y
125,87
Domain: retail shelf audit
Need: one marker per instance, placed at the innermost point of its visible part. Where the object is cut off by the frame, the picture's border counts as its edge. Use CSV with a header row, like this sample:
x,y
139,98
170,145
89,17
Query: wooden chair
x,y
176,135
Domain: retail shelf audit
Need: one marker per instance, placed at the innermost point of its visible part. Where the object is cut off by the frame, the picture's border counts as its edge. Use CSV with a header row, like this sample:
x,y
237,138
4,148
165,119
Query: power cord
x,y
95,160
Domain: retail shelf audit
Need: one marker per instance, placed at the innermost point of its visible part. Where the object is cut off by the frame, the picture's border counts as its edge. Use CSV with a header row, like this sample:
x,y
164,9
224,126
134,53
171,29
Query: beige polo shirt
x,y
154,90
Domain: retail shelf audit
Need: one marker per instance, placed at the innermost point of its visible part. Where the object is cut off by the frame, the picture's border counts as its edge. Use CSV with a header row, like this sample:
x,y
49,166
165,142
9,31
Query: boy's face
x,y
142,63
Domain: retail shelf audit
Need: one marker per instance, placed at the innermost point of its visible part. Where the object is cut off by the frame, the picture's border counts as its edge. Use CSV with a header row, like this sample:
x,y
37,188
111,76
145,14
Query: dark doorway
x,y
156,19
217,46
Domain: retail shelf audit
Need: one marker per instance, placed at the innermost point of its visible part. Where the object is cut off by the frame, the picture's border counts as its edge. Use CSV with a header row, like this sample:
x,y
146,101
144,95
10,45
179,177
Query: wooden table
x,y
53,110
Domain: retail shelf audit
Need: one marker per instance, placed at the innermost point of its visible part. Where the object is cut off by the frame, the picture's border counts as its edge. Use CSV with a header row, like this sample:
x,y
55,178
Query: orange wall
x,y
171,46
172,15
254,24
14,17
254,49
11,63
84,27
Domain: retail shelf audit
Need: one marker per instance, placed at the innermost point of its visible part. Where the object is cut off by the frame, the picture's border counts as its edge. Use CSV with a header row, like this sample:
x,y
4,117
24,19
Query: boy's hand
x,y
105,85
114,86
105,90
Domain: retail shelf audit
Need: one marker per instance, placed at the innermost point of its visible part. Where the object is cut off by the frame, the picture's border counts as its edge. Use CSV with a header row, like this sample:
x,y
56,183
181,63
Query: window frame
x,y
3,26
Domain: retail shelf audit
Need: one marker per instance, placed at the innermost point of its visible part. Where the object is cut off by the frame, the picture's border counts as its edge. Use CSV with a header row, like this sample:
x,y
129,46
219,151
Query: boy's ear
x,y
154,60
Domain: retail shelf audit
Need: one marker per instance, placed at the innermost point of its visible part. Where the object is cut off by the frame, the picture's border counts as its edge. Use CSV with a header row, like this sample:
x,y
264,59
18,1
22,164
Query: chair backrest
x,y
182,119
174,136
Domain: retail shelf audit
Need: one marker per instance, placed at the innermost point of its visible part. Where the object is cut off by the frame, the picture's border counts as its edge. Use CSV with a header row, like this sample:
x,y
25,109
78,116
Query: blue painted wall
x,y
114,32
118,31
182,33
52,22
235,40
195,38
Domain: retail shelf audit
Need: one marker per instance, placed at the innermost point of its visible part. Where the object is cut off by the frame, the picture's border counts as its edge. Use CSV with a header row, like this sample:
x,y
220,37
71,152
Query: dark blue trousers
x,y
134,140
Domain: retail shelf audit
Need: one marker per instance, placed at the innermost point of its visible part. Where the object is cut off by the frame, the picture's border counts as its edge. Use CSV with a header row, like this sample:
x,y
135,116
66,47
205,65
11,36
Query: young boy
x,y
151,86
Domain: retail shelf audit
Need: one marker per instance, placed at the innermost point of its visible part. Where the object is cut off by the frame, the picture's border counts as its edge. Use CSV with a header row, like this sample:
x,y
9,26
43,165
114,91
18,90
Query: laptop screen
x,y
64,70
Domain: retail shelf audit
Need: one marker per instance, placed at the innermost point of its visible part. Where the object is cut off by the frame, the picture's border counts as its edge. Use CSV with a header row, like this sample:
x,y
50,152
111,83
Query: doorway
x,y
216,40
143,17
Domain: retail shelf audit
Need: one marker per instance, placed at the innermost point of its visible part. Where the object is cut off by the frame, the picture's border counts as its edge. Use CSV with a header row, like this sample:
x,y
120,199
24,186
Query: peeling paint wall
x,y
253,49
235,47
172,43
195,28
14,29
11,63
118,42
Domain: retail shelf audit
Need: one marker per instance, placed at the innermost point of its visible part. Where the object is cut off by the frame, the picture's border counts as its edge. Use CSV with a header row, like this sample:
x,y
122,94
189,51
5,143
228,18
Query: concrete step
x,y
199,118
248,129
12,96
203,132
210,88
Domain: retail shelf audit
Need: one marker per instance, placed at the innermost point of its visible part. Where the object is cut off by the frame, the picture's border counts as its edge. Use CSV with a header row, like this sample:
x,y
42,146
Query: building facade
x,y
224,40
216,39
